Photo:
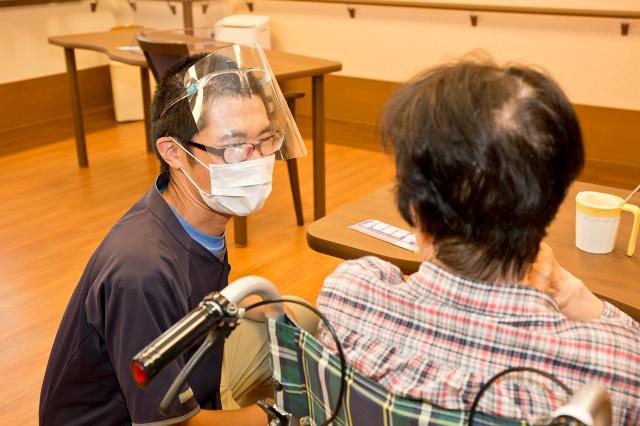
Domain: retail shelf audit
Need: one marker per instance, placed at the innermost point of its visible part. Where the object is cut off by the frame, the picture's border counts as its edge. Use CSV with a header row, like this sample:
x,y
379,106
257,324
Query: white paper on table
x,y
388,233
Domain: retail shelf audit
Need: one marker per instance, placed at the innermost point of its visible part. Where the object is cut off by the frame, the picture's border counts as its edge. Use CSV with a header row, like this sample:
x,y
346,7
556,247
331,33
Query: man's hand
x,y
574,299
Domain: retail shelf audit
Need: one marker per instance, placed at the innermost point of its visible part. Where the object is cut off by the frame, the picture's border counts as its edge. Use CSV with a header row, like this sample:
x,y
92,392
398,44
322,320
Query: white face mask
x,y
238,189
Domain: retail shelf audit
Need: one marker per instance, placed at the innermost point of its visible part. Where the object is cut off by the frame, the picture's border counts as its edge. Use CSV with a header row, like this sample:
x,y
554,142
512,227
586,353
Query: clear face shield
x,y
244,124
238,107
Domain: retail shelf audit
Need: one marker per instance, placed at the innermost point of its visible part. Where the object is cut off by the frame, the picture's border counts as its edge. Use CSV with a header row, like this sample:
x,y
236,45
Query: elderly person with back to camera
x,y
484,157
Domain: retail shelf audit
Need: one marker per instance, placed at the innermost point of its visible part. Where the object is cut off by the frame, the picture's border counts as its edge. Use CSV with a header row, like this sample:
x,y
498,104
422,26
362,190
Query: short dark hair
x,y
177,120
484,156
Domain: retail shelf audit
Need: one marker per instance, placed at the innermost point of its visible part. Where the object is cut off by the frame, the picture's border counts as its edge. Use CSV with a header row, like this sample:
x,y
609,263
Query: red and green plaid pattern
x,y
310,378
436,336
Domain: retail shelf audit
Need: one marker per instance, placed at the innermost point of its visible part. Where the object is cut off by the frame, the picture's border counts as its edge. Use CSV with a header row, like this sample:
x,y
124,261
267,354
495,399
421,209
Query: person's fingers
x,y
541,273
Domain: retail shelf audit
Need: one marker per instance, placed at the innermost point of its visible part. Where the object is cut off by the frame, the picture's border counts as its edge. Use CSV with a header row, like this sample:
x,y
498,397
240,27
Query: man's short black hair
x,y
177,120
484,156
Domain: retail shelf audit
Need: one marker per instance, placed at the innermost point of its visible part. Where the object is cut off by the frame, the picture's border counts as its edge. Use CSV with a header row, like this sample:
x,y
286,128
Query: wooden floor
x,y
53,215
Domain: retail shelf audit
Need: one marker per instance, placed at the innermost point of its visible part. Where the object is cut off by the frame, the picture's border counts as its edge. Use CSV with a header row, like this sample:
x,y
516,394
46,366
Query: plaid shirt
x,y
438,337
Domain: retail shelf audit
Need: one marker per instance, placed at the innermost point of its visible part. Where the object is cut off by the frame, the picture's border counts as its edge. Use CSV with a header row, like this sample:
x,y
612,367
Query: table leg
x,y
240,231
76,109
317,96
187,14
146,102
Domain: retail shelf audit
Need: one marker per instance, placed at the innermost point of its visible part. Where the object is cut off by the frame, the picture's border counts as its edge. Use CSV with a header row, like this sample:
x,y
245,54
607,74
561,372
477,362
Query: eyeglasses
x,y
237,152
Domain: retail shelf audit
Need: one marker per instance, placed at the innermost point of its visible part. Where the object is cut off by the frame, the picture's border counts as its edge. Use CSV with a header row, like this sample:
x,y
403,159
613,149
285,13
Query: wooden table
x,y
613,276
286,66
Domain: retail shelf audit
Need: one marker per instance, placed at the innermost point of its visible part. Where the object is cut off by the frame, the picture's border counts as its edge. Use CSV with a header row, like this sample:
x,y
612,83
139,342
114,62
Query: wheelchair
x,y
313,385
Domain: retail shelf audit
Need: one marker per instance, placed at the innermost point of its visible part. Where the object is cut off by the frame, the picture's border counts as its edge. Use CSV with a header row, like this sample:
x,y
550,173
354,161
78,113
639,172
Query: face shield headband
x,y
239,72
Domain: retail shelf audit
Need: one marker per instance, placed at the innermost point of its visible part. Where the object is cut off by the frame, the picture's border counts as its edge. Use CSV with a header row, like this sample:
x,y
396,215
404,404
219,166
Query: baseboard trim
x,y
46,132
37,100
41,109
610,174
365,136
353,107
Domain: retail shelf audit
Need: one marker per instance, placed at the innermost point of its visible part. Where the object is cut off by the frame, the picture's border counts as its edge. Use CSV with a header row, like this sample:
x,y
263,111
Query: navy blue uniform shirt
x,y
145,276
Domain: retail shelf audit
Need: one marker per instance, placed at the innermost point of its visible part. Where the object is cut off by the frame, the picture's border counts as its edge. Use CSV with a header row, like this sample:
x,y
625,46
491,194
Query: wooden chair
x,y
160,56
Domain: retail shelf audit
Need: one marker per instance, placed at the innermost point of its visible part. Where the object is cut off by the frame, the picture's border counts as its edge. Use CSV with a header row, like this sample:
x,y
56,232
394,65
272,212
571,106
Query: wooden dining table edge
x,y
408,267
138,61
71,42
320,71
59,41
346,252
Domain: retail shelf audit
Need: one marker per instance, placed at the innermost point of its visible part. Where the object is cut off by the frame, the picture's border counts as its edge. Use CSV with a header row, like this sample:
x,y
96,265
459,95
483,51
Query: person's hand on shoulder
x,y
574,299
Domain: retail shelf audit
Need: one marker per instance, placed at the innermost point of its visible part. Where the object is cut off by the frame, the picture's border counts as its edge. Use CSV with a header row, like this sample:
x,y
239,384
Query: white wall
x,y
24,31
157,14
588,56
592,61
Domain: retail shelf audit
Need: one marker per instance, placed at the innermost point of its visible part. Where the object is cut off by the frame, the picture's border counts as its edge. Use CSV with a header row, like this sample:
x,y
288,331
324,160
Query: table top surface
x,y
117,45
613,276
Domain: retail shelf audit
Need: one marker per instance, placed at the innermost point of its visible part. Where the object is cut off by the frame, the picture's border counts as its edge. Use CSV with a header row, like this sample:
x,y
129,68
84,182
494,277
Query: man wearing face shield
x,y
219,122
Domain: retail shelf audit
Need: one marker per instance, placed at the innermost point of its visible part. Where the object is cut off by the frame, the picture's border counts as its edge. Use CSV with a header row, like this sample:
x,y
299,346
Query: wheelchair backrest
x,y
307,379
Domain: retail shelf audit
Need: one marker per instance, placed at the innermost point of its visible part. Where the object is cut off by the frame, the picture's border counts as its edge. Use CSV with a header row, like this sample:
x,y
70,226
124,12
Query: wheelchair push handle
x,y
209,314
590,405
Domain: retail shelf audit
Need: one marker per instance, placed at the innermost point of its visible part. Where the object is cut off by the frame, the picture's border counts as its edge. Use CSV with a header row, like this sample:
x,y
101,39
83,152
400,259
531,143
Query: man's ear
x,y
170,152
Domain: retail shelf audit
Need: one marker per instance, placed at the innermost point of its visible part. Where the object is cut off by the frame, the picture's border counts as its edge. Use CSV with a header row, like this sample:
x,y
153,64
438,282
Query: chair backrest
x,y
161,55
308,381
